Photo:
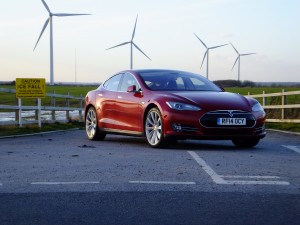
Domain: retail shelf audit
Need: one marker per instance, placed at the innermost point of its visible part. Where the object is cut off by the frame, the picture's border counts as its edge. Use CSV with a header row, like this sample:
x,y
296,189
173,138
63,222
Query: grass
x,y
31,129
292,127
76,91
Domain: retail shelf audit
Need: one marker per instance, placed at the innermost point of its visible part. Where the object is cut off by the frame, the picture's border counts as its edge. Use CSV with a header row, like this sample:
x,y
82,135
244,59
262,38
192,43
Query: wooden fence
x,y
19,107
289,110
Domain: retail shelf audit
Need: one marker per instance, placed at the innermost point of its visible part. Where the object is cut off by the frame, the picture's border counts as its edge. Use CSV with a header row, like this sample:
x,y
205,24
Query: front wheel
x,y
91,125
154,129
245,142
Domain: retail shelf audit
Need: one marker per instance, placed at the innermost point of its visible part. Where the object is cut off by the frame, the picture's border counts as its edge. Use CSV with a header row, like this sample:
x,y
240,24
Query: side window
x,y
180,83
113,83
198,84
128,80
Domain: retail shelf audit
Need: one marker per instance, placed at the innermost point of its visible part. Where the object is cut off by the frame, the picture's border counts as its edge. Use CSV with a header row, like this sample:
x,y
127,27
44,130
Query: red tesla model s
x,y
169,105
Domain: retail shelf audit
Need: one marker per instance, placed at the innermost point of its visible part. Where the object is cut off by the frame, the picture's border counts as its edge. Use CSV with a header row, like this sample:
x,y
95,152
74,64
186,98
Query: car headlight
x,y
257,108
182,106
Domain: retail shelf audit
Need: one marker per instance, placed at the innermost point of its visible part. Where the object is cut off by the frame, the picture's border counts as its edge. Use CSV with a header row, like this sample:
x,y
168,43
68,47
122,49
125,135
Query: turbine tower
x,y
51,35
131,45
206,54
239,59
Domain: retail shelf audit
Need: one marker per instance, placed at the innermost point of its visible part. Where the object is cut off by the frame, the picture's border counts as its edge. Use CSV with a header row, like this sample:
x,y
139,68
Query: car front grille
x,y
209,119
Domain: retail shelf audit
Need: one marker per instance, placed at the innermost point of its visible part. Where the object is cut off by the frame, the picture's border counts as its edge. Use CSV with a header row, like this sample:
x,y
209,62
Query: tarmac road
x,y
63,178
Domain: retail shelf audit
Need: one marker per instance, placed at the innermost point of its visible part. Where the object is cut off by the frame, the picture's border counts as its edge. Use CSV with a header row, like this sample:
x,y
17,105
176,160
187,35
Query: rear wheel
x,y
91,125
245,142
154,129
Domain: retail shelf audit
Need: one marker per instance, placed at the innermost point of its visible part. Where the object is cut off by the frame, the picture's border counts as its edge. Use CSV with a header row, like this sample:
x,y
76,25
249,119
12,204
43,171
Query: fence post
x,y
39,111
17,111
20,112
264,99
53,105
81,106
283,102
68,105
36,112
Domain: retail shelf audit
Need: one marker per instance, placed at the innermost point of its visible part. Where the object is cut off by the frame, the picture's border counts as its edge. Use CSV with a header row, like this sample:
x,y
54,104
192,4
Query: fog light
x,y
176,127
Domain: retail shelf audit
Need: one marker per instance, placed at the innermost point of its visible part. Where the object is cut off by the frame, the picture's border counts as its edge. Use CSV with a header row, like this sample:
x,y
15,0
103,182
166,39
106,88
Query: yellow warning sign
x,y
30,88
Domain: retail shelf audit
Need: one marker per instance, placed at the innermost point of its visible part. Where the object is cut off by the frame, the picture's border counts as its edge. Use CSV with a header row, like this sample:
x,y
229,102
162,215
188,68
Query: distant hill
x,y
247,83
278,84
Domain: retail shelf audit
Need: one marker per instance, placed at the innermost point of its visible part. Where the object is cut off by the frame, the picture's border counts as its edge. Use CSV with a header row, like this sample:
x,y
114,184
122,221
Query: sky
x,y
165,32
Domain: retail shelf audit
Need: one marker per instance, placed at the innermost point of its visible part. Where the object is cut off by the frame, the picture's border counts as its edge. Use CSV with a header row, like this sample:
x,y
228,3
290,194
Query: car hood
x,y
216,100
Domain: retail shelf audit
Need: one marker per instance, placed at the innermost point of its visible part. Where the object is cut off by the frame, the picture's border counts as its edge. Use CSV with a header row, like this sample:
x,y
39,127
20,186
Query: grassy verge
x,y
30,129
293,127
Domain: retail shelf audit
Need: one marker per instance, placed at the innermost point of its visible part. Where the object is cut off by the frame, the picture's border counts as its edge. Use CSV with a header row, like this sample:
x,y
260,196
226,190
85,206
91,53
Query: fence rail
x,y
283,105
19,107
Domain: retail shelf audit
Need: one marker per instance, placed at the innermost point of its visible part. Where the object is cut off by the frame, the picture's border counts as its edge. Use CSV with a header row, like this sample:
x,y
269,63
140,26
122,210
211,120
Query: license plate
x,y
231,121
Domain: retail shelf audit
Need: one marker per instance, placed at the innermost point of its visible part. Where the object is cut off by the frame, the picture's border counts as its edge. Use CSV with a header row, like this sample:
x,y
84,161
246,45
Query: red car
x,y
168,105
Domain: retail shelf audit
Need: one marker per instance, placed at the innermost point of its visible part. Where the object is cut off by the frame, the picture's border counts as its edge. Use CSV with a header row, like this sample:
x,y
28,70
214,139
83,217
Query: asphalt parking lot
x,y
67,162
37,163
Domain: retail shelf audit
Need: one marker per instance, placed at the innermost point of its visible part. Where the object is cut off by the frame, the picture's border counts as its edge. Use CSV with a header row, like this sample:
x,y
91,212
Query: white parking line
x,y
161,182
294,148
65,183
222,179
216,178
255,182
251,177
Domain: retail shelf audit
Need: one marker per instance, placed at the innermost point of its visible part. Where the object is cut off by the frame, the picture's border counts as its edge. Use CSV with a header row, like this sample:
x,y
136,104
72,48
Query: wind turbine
x,y
239,59
206,54
131,45
51,35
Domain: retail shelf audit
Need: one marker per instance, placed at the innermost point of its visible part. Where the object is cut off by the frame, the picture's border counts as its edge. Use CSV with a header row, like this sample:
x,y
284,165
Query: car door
x,y
128,105
106,102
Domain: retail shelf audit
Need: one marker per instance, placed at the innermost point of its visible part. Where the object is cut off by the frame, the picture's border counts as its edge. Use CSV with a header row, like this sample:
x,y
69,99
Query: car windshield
x,y
176,81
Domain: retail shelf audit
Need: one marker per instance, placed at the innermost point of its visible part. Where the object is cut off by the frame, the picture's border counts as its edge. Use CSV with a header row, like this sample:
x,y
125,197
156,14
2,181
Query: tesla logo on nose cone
x,y
230,113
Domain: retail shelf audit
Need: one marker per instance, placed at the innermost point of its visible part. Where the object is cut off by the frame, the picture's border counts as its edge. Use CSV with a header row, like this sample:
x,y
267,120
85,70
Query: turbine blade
x,y
235,62
125,43
234,48
248,54
201,41
140,50
69,14
203,58
217,46
46,6
44,27
133,33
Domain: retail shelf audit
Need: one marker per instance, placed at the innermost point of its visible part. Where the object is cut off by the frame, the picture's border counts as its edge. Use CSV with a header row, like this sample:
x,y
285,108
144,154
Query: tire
x,y
91,125
245,143
154,129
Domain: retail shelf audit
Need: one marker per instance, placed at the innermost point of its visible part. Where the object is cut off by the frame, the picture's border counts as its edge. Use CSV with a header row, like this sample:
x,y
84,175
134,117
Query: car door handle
x,y
119,97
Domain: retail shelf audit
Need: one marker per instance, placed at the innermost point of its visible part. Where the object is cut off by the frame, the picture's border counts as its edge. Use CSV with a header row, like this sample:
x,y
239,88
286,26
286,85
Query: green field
x,y
76,91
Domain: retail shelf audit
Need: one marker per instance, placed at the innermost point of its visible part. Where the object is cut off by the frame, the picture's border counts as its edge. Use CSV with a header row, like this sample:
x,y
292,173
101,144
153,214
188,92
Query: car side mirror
x,y
131,88
223,89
